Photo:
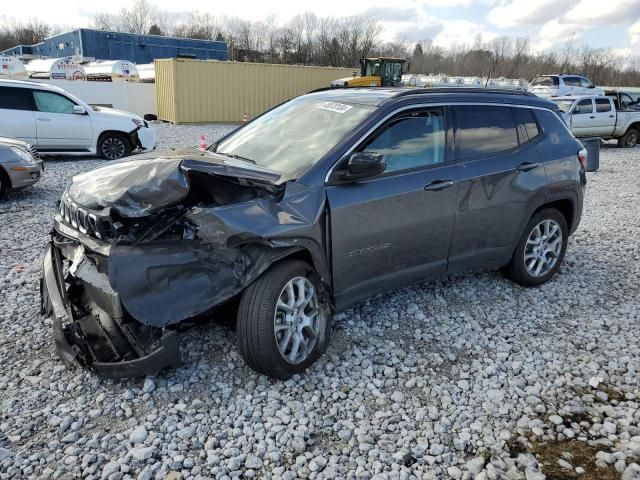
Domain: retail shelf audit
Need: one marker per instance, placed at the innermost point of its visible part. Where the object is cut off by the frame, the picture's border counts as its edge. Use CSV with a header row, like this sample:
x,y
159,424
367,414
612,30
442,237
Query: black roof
x,y
376,96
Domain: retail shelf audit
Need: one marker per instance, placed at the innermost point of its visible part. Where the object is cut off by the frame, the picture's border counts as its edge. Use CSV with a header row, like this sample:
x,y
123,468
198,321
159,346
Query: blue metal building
x,y
103,45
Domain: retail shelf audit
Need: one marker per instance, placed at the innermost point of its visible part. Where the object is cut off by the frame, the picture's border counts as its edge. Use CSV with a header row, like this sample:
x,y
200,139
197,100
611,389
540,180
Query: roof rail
x,y
504,91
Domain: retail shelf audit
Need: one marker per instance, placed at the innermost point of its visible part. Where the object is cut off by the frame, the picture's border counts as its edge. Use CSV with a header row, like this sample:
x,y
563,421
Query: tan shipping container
x,y
201,91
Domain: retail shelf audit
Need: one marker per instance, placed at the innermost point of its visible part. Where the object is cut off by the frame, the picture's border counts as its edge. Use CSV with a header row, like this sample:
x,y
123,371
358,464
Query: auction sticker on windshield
x,y
335,107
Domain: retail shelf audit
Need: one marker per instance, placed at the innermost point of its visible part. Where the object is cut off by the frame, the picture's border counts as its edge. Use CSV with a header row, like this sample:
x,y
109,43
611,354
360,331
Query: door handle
x,y
438,185
611,116
592,116
527,166
44,119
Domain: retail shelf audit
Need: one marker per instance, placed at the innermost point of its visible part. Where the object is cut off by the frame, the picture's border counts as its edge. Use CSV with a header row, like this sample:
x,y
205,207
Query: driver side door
x,y
395,228
57,126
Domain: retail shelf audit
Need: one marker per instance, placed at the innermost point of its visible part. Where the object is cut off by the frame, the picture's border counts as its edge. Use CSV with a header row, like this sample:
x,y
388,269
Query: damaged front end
x,y
142,245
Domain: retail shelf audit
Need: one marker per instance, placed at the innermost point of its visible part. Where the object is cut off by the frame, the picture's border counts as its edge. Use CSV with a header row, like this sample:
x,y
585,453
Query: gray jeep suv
x,y
310,208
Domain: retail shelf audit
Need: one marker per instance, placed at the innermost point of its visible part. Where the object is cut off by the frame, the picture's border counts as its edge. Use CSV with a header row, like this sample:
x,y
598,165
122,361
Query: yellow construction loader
x,y
375,72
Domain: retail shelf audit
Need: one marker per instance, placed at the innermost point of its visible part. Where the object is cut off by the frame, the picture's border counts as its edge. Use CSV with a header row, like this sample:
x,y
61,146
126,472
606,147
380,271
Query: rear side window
x,y
603,105
12,98
584,106
484,130
527,126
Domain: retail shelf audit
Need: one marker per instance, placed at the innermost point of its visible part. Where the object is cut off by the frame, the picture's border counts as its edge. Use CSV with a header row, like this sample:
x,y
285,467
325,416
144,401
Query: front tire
x,y
629,139
283,326
540,249
114,146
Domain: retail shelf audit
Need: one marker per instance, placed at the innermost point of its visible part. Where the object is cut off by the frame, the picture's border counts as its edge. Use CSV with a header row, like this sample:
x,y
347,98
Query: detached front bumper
x,y
147,140
85,333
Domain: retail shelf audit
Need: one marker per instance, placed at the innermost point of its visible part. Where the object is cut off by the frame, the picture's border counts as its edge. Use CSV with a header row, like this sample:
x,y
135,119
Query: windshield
x,y
373,68
564,105
294,136
545,82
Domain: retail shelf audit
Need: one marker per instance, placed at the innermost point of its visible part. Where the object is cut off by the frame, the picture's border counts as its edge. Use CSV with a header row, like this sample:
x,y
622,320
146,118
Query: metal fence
x,y
196,91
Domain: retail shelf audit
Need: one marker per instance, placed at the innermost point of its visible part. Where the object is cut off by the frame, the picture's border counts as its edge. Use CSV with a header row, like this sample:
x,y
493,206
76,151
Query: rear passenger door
x,y
16,114
501,177
605,118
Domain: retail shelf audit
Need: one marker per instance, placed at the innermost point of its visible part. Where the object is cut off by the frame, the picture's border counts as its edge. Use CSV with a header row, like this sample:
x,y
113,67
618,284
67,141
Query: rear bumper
x,y
112,348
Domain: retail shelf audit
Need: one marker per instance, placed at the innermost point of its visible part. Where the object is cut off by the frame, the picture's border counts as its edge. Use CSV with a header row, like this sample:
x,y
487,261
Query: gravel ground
x,y
466,377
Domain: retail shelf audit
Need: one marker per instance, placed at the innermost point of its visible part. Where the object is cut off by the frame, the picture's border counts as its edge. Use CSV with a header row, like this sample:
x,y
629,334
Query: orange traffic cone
x,y
245,118
203,144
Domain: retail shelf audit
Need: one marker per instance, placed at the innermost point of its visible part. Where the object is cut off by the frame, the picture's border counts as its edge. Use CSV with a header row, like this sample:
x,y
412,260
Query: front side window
x,y
572,81
51,102
294,136
484,130
373,69
603,105
583,107
12,98
411,141
393,71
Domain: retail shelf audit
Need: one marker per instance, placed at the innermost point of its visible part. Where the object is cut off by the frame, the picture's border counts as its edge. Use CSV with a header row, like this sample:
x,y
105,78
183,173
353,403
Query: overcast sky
x,y
600,23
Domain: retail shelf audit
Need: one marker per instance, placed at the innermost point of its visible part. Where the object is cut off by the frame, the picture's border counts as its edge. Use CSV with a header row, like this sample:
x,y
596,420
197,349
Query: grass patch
x,y
584,455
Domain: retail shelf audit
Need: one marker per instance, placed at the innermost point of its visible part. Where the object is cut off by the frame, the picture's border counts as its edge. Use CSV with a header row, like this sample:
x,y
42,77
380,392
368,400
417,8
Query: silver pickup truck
x,y
597,116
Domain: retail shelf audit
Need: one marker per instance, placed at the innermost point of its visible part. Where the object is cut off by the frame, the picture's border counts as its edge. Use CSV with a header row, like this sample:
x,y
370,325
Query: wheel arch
x,y
119,132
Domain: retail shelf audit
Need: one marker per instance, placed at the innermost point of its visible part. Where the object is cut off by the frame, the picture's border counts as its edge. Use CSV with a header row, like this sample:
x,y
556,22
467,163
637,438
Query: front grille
x,y
33,151
84,220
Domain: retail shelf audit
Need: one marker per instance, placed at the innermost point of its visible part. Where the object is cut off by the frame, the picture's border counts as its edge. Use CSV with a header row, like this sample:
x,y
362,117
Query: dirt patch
x,y
578,454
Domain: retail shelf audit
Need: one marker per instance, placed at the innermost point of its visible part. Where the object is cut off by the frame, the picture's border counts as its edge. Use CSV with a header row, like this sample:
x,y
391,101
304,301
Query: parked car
x,y
562,85
20,165
57,123
624,101
596,116
310,208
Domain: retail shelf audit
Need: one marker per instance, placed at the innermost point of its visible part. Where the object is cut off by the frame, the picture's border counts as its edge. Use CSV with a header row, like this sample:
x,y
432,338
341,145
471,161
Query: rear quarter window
x,y
553,126
484,130
527,126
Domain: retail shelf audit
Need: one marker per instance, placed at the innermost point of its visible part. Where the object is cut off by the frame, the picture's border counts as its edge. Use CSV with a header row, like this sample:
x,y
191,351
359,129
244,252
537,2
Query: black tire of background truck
x,y
114,138
4,183
255,324
629,139
516,270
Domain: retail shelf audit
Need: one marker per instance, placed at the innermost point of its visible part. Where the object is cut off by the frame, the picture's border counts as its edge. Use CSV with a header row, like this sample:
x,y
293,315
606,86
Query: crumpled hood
x,y
141,187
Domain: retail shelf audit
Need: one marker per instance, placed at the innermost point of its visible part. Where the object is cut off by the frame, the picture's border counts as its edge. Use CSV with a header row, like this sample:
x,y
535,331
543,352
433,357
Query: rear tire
x,y
540,249
283,327
629,139
4,183
114,146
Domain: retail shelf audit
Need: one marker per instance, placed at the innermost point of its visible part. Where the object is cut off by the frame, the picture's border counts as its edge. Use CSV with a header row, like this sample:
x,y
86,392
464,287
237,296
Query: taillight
x,y
582,157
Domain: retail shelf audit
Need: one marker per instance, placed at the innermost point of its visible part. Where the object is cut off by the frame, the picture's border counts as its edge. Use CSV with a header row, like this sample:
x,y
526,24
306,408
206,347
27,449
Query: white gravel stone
x,y
475,364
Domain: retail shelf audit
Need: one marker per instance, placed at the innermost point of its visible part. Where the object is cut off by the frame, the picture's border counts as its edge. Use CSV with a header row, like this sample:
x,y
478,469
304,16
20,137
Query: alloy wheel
x,y
113,148
296,322
543,248
632,140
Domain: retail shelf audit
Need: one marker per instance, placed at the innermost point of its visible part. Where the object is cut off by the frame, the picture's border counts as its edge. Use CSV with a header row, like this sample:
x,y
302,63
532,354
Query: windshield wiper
x,y
237,157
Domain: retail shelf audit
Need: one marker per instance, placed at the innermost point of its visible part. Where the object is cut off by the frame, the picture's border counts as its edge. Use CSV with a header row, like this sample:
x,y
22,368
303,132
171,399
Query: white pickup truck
x,y
596,116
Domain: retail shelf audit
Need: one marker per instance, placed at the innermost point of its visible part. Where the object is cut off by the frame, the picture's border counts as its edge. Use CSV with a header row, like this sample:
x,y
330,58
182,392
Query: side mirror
x,y
363,165
79,110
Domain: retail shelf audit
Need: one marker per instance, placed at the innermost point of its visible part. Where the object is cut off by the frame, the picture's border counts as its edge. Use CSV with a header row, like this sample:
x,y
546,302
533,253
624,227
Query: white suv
x,y
563,85
57,123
